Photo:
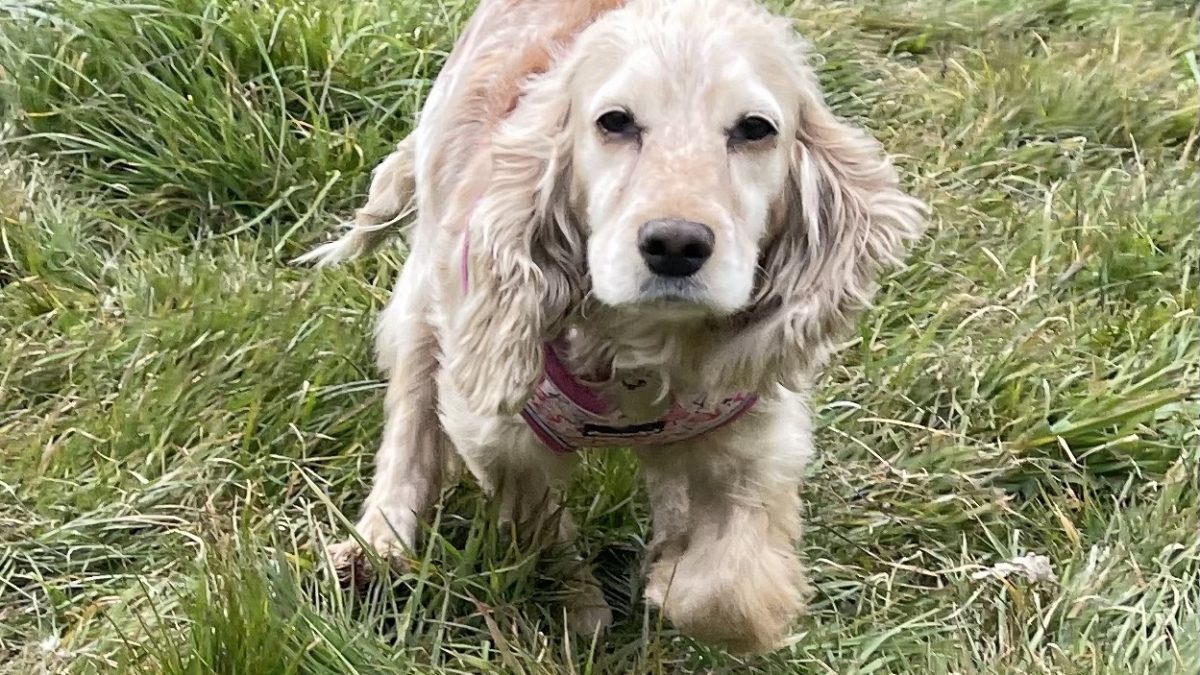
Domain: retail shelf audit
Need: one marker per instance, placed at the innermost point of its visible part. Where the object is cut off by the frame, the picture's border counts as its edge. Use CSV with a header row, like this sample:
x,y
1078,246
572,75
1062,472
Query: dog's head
x,y
680,120
680,163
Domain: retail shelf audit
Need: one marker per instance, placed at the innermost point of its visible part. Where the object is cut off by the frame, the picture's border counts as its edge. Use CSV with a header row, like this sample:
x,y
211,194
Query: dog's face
x,y
682,141
679,163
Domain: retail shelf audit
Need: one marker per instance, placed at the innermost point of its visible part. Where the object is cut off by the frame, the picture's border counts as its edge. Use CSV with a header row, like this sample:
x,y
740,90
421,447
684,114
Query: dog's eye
x,y
617,123
752,128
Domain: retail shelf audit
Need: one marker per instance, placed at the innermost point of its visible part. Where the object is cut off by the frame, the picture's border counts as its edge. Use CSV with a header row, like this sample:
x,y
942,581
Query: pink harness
x,y
567,413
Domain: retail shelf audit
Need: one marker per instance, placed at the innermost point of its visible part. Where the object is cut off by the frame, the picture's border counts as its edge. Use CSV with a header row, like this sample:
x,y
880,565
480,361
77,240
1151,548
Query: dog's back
x,y
504,43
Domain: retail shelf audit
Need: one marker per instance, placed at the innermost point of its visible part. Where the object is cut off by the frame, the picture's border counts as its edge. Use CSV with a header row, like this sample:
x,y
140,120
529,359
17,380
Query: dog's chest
x,y
625,408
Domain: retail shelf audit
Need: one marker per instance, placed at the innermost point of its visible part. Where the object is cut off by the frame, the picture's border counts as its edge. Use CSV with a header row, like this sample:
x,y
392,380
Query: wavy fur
x,y
514,175
525,255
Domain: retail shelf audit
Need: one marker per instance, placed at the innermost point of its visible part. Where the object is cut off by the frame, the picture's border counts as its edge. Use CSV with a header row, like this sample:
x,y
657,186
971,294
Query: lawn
x,y
185,419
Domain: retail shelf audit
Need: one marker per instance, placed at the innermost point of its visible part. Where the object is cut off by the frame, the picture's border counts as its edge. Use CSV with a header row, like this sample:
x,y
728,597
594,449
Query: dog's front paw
x,y
352,565
350,562
729,593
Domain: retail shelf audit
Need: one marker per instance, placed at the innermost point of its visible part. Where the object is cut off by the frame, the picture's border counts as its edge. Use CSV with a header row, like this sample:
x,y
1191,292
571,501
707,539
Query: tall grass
x,y
185,420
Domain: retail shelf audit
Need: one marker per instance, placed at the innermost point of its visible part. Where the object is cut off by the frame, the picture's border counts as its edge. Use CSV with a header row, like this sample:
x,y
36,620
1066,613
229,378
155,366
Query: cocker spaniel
x,y
637,224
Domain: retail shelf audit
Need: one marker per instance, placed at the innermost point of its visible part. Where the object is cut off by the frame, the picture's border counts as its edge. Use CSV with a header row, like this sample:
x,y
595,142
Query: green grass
x,y
185,419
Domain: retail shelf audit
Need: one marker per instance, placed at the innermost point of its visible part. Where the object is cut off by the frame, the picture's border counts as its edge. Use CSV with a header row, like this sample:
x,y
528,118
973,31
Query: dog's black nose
x,y
675,248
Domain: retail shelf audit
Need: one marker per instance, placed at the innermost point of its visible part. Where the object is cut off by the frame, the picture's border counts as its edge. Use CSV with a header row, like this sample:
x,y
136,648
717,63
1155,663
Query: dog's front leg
x,y
527,482
726,511
411,458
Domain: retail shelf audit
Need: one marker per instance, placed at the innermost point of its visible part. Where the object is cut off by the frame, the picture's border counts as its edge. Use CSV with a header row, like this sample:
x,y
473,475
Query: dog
x,y
634,224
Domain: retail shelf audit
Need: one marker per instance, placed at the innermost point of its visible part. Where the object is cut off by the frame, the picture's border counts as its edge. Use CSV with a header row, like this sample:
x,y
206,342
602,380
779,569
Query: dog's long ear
x,y
524,261
843,218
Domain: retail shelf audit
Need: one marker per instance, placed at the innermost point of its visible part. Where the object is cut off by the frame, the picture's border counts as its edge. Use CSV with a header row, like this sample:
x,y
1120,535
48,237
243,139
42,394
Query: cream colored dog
x,y
658,188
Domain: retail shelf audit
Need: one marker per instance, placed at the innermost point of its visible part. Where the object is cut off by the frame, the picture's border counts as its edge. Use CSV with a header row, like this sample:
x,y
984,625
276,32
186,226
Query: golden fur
x,y
507,155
